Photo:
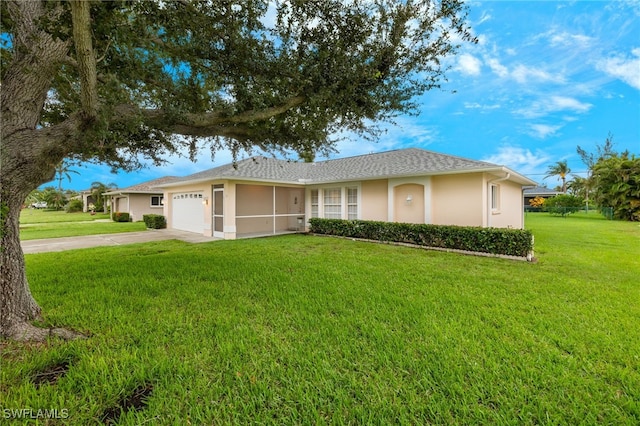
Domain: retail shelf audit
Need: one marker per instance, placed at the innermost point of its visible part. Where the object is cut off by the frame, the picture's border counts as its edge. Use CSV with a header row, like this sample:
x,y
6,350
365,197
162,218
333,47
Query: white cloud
x,y
525,75
469,64
497,67
541,131
567,39
561,103
623,67
484,18
481,107
519,159
404,134
551,104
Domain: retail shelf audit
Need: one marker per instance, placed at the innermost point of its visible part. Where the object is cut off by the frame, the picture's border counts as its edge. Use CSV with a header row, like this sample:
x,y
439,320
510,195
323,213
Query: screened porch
x,y
268,210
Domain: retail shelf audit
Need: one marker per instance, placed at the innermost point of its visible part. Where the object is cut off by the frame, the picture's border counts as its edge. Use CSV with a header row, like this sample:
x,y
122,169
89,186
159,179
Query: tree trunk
x,y
28,156
17,306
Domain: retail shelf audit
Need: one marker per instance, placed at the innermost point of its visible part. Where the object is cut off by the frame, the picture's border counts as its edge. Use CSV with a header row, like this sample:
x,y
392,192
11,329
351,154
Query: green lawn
x,y
31,216
36,224
317,330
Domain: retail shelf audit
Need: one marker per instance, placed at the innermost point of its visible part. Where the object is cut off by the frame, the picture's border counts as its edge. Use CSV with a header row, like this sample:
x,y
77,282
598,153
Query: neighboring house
x,y
262,196
538,191
138,200
87,200
85,197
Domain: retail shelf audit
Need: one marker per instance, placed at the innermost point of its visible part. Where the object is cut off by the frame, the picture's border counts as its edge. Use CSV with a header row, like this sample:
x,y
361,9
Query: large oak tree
x,y
123,82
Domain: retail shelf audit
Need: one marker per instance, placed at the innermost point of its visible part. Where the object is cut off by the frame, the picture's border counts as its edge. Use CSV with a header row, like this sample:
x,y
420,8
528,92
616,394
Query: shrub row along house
x,y
263,196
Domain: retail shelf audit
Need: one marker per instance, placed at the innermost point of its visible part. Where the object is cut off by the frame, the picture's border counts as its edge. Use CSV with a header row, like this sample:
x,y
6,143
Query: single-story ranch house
x,y
538,191
262,196
138,200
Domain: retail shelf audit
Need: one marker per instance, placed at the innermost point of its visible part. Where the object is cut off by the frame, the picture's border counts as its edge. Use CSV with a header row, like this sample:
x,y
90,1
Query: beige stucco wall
x,y
408,211
140,204
458,199
510,214
374,200
119,203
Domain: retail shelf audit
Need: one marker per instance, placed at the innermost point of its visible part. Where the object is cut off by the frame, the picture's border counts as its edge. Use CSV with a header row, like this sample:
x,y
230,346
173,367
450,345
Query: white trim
x,y
269,215
344,198
494,198
490,209
217,234
160,201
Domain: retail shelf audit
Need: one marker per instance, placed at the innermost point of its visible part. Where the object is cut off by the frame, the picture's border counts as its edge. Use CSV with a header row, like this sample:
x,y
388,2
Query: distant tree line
x,y
612,181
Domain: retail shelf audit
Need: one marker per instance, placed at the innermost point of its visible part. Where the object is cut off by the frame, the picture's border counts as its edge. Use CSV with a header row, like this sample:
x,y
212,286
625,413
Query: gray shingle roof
x,y
404,162
397,163
145,187
541,190
260,168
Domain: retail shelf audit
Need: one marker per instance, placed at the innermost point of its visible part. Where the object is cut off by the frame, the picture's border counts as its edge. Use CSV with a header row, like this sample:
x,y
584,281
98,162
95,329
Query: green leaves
x,y
154,221
511,242
617,179
563,204
354,63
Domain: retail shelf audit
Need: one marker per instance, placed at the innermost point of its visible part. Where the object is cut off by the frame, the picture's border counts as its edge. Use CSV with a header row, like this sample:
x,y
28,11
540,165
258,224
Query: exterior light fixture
x,y
409,198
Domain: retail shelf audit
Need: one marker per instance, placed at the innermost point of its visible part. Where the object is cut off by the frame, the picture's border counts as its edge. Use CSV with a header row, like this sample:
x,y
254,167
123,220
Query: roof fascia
x,y
499,169
234,178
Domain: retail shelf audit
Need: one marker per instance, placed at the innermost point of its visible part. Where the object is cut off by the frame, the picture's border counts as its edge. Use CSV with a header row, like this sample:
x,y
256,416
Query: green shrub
x,y
154,221
121,217
512,242
74,206
563,204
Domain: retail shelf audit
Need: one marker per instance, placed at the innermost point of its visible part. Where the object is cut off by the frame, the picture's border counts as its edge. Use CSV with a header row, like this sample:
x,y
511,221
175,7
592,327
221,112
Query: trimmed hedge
x,y
510,242
120,217
154,221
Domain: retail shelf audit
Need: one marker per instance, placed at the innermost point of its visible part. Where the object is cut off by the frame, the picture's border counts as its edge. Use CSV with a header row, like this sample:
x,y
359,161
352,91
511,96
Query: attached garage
x,y
188,211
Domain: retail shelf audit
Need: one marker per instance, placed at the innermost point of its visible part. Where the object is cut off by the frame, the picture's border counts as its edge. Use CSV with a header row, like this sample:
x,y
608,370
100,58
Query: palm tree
x,y
581,187
97,189
64,169
560,169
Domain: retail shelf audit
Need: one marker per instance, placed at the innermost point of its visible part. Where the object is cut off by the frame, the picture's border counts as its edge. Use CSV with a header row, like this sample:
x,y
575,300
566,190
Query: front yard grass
x,y
37,224
316,330
30,216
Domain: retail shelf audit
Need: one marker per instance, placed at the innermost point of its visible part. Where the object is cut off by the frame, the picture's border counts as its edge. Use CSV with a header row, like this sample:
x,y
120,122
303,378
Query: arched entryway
x,y
408,203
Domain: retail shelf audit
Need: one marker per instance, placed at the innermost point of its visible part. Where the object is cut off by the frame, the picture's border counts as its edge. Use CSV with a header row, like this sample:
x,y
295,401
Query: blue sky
x,y
545,77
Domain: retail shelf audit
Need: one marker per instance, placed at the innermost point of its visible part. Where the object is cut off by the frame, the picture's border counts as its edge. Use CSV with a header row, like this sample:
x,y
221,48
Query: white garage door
x,y
188,211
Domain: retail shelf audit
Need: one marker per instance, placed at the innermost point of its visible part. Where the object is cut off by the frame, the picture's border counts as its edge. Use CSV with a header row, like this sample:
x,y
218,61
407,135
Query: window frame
x,y
494,197
341,206
335,202
349,214
160,201
315,202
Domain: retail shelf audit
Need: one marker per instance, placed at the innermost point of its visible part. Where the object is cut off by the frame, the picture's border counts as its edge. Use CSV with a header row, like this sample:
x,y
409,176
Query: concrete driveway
x,y
71,243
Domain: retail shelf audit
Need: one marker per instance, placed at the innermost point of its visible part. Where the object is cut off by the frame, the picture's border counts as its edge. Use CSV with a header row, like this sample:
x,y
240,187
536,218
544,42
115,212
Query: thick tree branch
x,y
215,124
81,17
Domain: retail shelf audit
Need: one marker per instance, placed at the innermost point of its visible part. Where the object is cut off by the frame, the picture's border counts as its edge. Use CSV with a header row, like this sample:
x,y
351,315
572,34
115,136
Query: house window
x,y
352,203
157,200
315,212
495,197
333,203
